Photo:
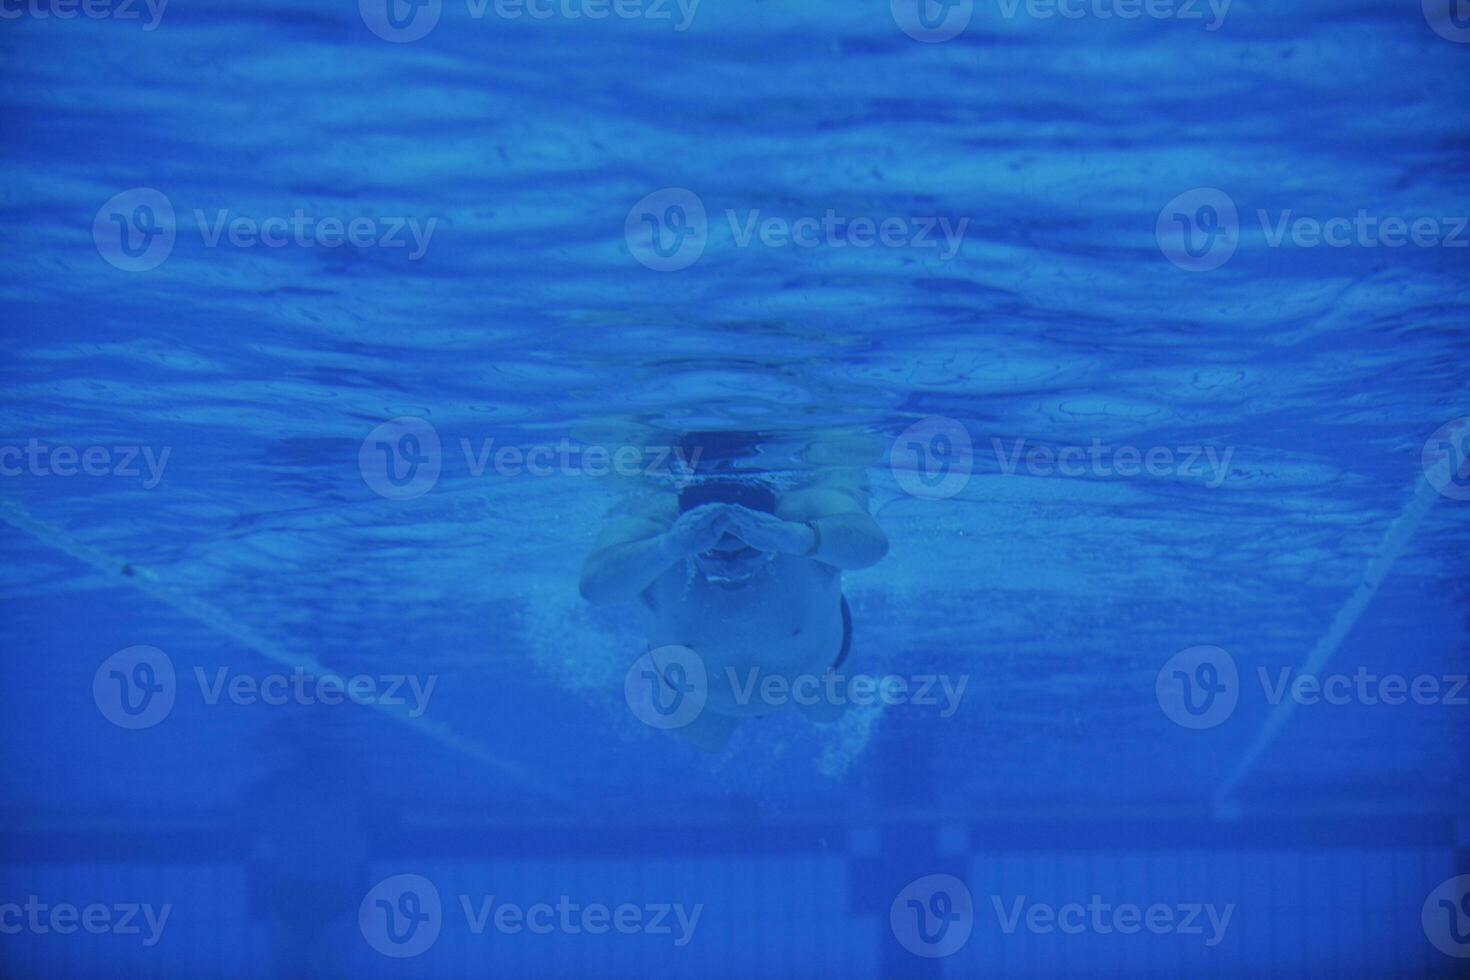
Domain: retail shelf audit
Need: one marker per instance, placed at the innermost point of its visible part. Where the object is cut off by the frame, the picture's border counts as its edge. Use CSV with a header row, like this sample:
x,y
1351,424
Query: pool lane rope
x,y
221,622
1395,539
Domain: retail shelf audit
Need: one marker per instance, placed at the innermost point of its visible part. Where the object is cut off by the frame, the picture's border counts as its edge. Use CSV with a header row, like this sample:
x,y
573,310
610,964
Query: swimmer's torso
x,y
786,620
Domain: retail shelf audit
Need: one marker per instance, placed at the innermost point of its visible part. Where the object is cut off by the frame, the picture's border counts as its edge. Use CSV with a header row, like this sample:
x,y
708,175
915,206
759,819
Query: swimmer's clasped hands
x,y
701,529
767,532
695,532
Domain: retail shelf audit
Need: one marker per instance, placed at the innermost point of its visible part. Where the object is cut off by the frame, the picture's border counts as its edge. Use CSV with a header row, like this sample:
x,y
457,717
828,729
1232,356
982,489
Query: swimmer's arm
x,y
634,551
629,555
846,536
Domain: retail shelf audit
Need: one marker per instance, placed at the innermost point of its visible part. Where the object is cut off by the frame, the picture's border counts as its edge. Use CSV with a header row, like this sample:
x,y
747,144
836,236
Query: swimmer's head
x,y
731,562
746,491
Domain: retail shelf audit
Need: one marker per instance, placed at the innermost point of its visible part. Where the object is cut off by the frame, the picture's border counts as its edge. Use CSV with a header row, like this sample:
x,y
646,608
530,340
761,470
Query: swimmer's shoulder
x,y
657,506
830,492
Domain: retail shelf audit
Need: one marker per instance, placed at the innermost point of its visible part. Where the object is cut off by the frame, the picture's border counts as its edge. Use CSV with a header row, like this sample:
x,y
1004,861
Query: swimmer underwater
x,y
748,577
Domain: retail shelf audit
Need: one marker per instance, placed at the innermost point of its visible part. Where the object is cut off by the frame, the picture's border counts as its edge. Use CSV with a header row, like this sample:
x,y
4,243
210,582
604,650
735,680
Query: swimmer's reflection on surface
x,y
747,575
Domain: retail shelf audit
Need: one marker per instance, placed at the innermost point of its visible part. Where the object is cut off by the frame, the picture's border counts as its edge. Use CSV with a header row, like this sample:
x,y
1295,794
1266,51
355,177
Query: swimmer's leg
x,y
710,731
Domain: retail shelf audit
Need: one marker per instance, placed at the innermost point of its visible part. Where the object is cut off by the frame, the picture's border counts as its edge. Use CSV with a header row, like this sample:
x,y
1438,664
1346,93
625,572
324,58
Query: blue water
x,y
577,232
